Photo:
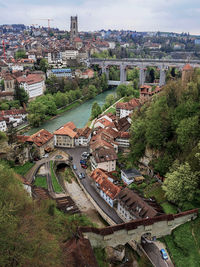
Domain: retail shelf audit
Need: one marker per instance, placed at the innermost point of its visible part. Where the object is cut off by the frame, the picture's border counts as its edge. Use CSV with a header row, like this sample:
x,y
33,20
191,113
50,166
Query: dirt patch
x,y
83,203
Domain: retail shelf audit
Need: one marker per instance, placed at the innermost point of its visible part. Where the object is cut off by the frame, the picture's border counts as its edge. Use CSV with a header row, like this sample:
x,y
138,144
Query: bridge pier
x,y
105,70
142,76
162,77
122,73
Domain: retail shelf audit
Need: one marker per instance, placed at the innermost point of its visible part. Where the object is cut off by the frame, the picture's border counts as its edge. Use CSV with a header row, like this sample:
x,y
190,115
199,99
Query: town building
x,y
126,108
130,206
83,137
65,135
131,175
147,91
60,73
3,125
107,190
104,159
33,84
40,143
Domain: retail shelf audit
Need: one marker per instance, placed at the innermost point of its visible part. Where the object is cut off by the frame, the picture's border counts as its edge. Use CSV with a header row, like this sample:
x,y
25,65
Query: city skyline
x,y
143,15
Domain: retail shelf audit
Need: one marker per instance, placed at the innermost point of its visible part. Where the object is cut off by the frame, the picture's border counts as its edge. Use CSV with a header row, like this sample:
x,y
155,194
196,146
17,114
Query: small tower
x,y
187,73
74,28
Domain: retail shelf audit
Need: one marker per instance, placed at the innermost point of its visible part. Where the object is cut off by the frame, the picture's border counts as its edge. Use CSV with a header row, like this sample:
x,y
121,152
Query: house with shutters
x,y
107,190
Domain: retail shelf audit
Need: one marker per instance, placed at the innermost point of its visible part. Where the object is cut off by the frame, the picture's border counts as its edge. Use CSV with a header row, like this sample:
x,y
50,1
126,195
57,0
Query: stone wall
x,y
124,233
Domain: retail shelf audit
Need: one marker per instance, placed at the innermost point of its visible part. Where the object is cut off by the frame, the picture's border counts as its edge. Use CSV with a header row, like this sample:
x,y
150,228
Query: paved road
x,y
87,183
154,254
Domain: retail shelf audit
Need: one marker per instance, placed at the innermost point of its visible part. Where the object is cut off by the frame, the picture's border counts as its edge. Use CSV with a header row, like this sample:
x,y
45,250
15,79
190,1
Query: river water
x,y
79,115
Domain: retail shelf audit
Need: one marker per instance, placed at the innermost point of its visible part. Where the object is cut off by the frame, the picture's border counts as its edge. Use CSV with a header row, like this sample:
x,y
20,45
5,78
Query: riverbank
x,y
79,112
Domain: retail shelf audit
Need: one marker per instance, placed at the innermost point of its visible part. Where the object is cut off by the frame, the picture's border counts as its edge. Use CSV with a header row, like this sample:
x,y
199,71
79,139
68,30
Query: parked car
x,y
74,167
84,166
81,175
82,161
164,254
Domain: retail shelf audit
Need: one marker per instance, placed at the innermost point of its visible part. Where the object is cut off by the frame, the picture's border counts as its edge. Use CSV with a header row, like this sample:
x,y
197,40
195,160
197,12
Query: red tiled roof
x,y
67,129
187,67
12,112
30,79
39,139
101,177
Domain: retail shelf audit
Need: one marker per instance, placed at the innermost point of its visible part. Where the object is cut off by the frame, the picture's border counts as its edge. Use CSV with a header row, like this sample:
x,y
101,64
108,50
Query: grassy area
x,y
41,181
184,244
100,256
168,208
155,190
23,169
112,110
70,106
56,186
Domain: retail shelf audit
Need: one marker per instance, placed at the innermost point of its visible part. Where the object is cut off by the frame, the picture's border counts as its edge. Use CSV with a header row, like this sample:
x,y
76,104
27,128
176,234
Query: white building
x,y
131,175
3,126
104,159
33,84
69,54
83,137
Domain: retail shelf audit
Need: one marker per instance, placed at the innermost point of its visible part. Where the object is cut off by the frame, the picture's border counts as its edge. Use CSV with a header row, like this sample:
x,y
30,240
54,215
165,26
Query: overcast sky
x,y
139,15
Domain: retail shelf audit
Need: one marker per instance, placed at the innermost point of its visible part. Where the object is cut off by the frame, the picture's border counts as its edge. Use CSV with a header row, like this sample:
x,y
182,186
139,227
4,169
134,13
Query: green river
x,y
79,115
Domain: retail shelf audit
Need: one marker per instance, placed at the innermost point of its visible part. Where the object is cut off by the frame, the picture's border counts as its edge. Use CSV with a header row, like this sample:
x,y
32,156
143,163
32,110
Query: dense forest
x,y
32,233
170,126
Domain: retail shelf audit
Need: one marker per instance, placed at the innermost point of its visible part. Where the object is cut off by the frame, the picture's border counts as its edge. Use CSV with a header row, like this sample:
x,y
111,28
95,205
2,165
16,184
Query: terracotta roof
x,y
187,67
84,132
122,124
30,79
101,178
67,129
77,39
132,104
39,139
124,135
103,155
12,112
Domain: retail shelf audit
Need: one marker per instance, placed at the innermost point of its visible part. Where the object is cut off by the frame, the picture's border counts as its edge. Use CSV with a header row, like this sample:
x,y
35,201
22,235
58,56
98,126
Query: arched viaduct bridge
x,y
161,64
132,232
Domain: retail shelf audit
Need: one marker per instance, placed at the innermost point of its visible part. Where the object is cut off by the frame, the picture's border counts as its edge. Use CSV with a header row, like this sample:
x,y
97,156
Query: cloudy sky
x,y
139,15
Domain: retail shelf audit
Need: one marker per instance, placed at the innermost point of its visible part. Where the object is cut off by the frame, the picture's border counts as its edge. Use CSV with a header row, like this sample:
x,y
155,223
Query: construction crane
x,y
48,22
4,49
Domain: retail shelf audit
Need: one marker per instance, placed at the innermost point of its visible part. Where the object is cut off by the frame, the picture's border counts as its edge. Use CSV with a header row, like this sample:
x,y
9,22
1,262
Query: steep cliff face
x,y
144,162
14,152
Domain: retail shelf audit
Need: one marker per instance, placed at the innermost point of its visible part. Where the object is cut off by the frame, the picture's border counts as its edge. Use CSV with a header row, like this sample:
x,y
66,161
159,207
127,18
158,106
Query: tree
x,y
4,106
20,54
36,113
43,65
92,91
96,110
121,90
188,132
110,99
180,184
21,95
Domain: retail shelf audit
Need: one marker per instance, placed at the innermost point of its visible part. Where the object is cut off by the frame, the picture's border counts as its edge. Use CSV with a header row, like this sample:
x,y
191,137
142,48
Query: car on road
x,y
74,167
82,161
84,166
81,175
164,254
